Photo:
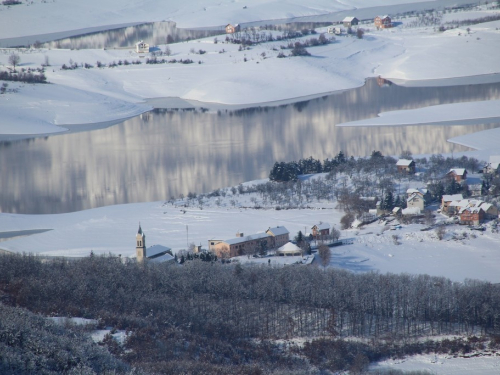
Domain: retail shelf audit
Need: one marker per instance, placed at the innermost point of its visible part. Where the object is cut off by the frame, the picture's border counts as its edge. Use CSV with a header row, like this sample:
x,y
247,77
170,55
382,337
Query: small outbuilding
x,y
142,47
289,249
350,21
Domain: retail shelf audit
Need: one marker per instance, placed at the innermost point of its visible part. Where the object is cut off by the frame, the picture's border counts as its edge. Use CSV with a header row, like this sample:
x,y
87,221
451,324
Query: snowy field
x,y
111,230
66,15
229,76
444,365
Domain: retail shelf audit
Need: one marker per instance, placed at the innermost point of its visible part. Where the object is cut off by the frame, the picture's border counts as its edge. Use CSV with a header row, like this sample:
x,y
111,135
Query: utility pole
x,y
187,237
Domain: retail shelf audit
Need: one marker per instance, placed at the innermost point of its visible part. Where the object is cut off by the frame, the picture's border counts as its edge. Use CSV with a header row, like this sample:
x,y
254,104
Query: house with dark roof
x,y
350,21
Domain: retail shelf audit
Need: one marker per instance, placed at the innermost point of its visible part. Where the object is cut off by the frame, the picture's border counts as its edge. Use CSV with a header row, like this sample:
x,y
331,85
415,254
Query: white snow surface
x,y
444,364
462,253
438,113
50,17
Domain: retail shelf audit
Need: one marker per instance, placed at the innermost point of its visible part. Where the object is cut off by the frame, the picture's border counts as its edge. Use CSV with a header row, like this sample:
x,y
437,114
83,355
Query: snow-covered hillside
x,y
51,16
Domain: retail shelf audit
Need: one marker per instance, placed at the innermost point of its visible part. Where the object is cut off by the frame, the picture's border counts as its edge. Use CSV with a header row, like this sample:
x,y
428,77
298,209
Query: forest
x,y
214,318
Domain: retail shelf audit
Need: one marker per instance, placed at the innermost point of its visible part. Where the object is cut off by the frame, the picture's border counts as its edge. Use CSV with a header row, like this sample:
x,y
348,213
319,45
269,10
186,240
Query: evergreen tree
x,y
397,201
388,201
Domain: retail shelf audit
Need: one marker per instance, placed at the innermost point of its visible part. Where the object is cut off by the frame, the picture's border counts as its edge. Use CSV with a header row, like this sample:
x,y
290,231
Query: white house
x,y
141,47
416,200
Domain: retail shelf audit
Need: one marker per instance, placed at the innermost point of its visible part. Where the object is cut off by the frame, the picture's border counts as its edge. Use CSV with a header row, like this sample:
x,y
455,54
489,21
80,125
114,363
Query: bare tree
x,y
324,255
440,232
14,60
168,51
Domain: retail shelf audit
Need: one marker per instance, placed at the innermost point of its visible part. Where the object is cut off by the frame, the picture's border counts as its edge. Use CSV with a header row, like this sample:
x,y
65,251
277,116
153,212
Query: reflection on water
x,y
154,33
165,153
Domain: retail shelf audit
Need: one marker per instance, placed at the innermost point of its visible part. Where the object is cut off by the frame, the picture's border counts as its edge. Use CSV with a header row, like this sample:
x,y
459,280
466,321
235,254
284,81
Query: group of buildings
x,y
471,211
276,238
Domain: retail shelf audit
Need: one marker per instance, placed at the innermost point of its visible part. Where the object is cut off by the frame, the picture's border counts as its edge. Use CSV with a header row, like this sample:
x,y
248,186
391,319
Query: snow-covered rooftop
x,y
237,240
279,230
404,162
452,197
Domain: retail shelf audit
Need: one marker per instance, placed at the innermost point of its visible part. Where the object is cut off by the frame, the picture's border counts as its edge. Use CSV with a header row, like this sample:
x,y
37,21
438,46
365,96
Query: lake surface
x,y
154,33
164,153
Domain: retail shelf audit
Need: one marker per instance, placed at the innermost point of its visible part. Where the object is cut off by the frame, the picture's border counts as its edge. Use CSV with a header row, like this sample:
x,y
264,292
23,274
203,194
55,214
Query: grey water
x,y
166,152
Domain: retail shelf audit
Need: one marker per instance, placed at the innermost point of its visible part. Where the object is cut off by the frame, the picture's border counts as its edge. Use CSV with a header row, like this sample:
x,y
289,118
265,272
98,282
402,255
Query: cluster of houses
x,y
468,211
273,238
380,22
277,238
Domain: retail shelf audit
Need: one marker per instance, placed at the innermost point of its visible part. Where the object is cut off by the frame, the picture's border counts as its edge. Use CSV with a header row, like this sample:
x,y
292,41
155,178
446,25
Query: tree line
x,y
206,312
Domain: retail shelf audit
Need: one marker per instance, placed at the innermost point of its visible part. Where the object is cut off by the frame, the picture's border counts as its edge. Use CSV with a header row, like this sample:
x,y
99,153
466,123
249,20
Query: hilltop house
x,y
141,47
406,166
459,174
383,22
350,21
231,29
156,253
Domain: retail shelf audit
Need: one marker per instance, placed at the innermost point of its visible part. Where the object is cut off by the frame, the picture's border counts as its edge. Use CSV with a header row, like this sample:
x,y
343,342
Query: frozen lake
x,y
166,152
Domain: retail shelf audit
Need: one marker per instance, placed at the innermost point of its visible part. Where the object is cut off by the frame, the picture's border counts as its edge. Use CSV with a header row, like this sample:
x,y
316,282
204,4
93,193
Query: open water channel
x,y
166,152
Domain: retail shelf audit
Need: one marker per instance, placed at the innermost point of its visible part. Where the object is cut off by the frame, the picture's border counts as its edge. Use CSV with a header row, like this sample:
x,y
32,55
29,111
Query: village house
x,y
447,199
490,211
416,200
493,166
458,174
350,21
279,236
154,254
383,22
471,215
141,47
406,166
240,245
231,29
320,231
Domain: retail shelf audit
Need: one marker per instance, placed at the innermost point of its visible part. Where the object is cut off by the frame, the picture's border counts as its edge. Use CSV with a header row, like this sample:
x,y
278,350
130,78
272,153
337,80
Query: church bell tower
x,y
140,245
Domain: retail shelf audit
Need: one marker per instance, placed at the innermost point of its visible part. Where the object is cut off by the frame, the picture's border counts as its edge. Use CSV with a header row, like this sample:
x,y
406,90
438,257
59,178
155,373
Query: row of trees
x,y
203,314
